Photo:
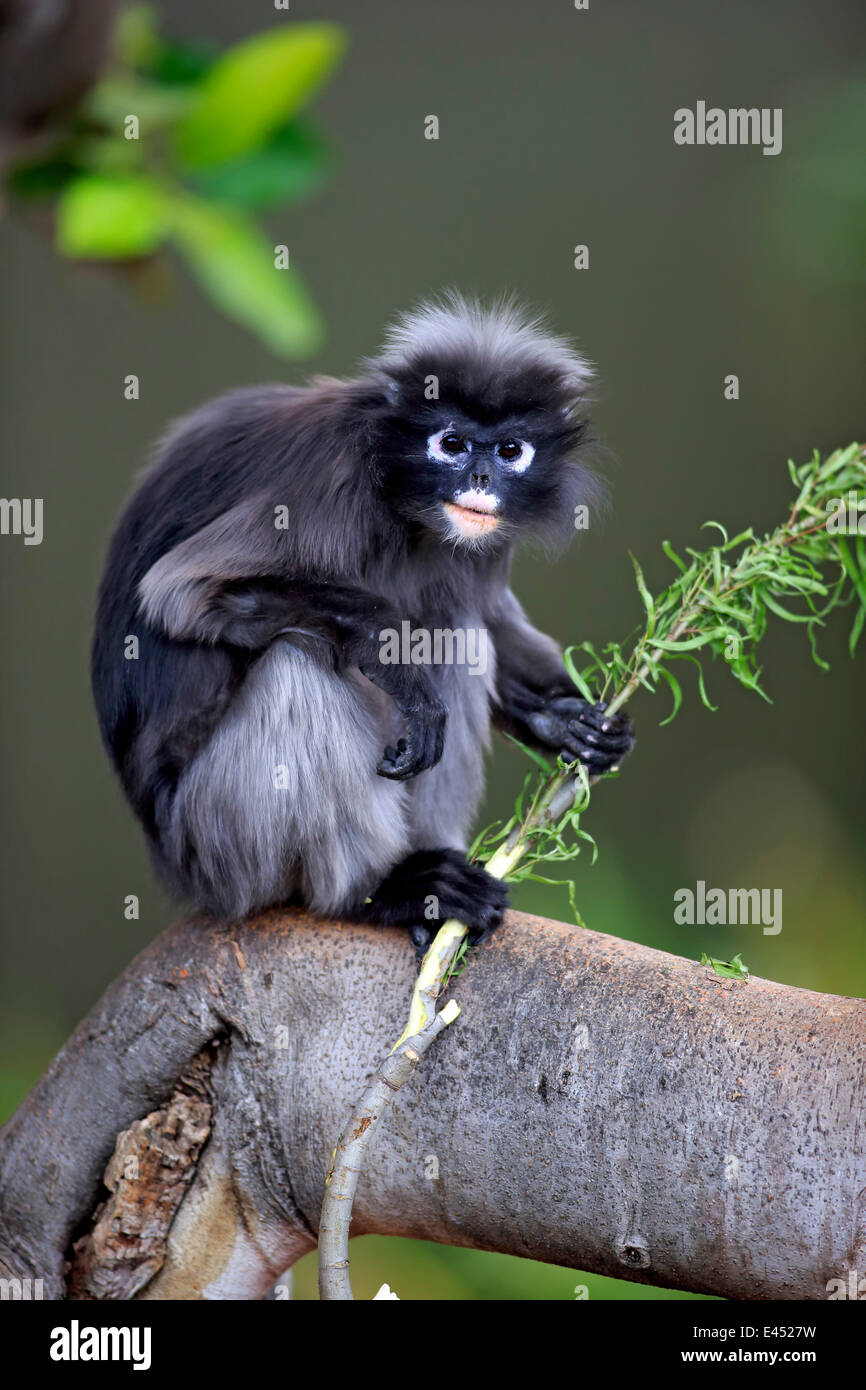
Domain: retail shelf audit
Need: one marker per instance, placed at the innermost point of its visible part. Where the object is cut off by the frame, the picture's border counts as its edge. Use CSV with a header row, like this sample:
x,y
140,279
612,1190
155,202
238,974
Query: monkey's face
x,y
477,470
475,481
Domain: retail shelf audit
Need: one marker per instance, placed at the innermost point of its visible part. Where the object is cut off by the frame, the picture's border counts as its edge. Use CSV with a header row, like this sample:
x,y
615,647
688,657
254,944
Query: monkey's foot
x,y
430,886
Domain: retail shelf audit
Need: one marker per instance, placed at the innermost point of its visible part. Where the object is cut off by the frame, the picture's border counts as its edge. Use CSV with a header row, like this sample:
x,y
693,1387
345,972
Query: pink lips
x,y
470,520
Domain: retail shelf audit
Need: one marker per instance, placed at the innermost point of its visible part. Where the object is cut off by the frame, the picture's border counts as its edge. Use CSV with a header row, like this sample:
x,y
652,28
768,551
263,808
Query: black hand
x,y
424,717
573,727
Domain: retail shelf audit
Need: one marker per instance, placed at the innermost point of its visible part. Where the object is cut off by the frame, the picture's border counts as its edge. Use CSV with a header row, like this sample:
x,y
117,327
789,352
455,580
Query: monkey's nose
x,y
481,480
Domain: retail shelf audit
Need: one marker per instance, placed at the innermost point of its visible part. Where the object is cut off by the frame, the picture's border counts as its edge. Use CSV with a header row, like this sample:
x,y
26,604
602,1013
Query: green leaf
x,y
731,969
43,178
702,689
857,579
568,662
102,216
672,555
585,835
292,165
114,98
781,612
691,643
677,693
234,263
136,40
254,88
646,597
719,527
531,753
181,64
856,630
816,655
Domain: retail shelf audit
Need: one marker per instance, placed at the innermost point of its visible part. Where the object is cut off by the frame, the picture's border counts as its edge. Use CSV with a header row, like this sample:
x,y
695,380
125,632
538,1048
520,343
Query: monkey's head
x,y
482,417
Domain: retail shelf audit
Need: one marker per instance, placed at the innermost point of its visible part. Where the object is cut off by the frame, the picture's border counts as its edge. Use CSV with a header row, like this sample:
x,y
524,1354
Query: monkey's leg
x,y
251,614
284,799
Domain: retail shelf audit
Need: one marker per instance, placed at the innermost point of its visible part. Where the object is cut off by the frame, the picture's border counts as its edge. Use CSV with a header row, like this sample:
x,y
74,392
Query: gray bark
x,y
597,1104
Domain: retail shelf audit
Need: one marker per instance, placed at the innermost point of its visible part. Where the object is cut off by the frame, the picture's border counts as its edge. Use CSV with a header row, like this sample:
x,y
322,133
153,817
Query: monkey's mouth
x,y
471,521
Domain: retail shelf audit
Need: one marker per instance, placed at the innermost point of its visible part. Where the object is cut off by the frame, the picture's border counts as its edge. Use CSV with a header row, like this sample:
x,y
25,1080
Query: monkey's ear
x,y
392,392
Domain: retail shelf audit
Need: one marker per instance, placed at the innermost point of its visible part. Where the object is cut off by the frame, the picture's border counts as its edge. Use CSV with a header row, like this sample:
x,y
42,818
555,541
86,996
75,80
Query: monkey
x,y
270,752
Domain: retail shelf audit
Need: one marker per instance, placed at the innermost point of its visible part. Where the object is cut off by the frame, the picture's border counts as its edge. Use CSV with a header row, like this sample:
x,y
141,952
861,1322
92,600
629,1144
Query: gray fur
x,y
176,591
307,728
295,723
504,333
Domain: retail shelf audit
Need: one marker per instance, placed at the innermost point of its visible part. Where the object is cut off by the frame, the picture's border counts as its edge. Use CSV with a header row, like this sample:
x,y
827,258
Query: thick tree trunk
x,y
597,1104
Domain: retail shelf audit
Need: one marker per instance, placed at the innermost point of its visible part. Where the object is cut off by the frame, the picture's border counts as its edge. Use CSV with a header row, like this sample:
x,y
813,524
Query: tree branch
x,y
598,1105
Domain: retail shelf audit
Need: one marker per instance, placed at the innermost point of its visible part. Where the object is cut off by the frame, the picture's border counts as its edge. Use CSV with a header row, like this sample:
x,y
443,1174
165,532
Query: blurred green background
x,y
556,129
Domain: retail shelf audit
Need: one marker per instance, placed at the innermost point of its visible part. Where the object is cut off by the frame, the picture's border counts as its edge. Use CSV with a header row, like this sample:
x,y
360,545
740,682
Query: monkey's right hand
x,y
424,716
354,621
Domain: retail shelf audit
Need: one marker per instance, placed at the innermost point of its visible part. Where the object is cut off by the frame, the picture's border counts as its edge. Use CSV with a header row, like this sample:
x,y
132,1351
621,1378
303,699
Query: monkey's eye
x,y
447,446
509,450
452,444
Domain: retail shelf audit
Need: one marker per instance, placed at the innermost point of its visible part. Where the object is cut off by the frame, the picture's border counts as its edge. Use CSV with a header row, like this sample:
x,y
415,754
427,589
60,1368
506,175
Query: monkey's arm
x,y
537,702
229,585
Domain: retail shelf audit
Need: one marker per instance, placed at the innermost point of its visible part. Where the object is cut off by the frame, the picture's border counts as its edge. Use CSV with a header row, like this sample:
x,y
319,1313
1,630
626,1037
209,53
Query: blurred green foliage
x,y
820,197
219,138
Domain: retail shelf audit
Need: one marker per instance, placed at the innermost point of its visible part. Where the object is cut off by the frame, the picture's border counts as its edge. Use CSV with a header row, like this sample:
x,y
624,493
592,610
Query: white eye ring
x,y
438,454
523,460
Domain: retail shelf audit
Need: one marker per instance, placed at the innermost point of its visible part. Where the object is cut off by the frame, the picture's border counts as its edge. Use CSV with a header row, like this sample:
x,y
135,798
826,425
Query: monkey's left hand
x,y
570,725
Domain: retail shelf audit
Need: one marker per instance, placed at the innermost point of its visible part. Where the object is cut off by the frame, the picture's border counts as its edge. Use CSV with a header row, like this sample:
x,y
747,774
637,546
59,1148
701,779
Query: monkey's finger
x,y
396,766
467,892
487,919
458,892
585,743
595,760
547,727
568,706
596,717
410,757
615,741
429,745
394,769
